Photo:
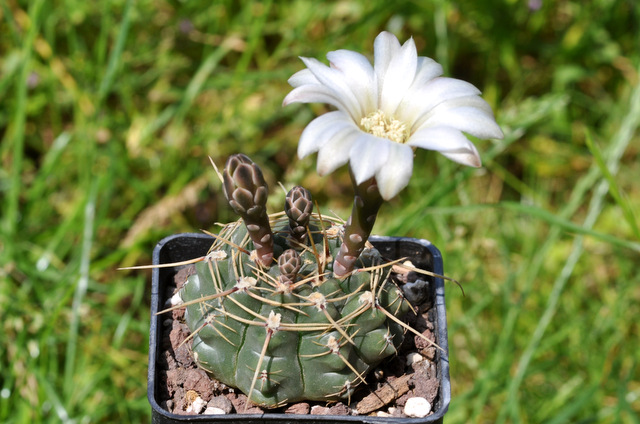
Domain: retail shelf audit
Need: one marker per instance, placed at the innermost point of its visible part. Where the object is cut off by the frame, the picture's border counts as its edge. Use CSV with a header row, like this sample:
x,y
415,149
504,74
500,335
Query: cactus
x,y
266,311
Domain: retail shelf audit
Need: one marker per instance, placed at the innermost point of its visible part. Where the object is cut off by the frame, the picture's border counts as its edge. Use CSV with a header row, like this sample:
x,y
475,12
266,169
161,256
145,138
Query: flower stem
x,y
366,203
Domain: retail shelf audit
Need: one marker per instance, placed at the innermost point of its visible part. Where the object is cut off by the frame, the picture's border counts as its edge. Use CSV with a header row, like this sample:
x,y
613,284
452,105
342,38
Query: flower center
x,y
380,125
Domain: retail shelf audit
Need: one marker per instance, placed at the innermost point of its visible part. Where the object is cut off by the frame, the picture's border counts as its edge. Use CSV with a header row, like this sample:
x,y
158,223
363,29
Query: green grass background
x,y
108,111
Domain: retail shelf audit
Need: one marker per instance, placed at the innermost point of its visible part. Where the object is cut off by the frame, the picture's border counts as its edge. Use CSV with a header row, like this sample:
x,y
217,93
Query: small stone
x,y
212,410
182,276
196,379
414,358
178,314
425,387
417,407
425,342
222,403
176,299
301,408
239,402
319,410
397,412
416,292
402,400
429,353
339,409
196,406
383,414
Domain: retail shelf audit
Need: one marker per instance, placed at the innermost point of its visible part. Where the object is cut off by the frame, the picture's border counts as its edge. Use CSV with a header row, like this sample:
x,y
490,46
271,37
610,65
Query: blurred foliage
x,y
109,110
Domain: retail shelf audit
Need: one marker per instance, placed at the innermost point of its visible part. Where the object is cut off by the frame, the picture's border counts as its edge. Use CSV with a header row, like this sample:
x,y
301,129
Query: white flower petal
x,y
477,122
469,114
394,175
398,77
428,69
335,151
446,106
385,47
367,155
448,141
469,158
320,130
420,102
334,81
315,93
301,78
358,74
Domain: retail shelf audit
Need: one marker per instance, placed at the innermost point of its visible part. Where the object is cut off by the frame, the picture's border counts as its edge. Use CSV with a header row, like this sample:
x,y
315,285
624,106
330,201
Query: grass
x,y
109,110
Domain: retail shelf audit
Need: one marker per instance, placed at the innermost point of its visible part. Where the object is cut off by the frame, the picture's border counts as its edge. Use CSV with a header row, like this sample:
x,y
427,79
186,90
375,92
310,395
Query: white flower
x,y
386,111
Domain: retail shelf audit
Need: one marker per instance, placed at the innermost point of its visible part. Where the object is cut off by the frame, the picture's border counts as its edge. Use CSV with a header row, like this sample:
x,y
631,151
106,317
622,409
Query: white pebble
x,y
417,407
414,358
212,410
176,299
318,409
196,406
383,414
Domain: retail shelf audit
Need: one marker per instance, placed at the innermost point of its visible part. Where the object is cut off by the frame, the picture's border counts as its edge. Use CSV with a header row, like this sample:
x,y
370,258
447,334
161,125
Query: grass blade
x,y
620,143
614,189
16,134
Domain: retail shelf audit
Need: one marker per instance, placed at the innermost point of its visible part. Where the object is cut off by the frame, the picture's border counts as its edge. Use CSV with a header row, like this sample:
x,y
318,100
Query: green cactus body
x,y
279,340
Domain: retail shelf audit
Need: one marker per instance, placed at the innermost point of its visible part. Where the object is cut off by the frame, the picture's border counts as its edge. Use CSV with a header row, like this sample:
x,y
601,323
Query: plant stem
x,y
366,203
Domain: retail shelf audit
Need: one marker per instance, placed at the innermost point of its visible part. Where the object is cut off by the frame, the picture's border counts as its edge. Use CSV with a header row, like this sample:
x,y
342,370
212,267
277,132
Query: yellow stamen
x,y
380,125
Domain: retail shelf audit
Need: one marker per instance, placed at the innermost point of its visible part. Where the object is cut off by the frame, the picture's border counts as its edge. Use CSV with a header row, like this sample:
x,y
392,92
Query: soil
x,y
410,373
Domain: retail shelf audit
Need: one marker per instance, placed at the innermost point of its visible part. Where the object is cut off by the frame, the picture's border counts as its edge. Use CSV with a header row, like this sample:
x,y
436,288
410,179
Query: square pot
x,y
181,247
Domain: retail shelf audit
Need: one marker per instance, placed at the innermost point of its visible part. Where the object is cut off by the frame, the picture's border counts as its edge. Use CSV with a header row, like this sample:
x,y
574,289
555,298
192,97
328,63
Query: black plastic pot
x,y
181,247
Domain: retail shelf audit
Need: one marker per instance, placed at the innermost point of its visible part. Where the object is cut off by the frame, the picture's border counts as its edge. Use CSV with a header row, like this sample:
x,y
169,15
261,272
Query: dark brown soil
x,y
181,381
